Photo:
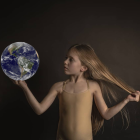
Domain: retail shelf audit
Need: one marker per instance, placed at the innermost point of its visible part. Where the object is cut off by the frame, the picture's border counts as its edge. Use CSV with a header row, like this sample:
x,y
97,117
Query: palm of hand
x,y
19,83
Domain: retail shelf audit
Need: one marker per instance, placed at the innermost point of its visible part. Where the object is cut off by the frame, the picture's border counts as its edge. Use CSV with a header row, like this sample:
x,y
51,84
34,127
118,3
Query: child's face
x,y
73,63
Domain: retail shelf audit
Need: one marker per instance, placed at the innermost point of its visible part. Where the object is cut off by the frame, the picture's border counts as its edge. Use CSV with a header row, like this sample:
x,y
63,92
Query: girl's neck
x,y
72,80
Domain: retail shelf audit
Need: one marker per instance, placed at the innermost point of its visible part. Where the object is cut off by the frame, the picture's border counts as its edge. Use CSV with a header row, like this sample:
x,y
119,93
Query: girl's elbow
x,y
106,117
39,113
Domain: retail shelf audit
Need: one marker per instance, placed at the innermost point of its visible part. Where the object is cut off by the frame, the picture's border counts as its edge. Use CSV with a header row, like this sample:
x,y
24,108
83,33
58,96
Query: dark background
x,y
51,27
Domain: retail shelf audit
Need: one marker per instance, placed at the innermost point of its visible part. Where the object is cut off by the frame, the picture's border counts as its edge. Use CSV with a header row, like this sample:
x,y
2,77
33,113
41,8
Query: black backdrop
x,y
51,27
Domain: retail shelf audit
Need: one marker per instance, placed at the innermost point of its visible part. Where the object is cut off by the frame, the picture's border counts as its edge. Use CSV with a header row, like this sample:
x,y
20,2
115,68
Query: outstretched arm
x,y
32,100
108,113
39,108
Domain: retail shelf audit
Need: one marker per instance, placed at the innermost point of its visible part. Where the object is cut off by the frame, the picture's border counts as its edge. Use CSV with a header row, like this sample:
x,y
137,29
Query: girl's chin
x,y
65,70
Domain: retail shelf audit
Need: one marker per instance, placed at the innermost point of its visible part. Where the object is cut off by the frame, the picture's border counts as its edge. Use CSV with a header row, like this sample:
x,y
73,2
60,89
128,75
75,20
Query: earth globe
x,y
19,61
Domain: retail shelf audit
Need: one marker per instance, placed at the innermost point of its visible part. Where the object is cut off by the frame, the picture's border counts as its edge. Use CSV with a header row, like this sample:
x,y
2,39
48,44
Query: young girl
x,y
86,87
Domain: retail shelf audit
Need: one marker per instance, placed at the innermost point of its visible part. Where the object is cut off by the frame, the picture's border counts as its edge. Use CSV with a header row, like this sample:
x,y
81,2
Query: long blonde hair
x,y
98,72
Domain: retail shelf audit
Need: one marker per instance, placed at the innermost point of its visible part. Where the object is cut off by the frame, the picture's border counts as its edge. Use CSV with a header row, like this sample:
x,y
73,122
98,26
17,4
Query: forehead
x,y
72,54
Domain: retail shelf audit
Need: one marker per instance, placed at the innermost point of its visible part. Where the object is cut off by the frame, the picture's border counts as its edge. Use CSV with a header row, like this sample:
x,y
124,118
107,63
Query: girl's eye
x,y
66,58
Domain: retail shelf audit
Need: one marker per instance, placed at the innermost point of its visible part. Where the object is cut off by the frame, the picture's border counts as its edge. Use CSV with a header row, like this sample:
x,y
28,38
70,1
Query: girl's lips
x,y
65,68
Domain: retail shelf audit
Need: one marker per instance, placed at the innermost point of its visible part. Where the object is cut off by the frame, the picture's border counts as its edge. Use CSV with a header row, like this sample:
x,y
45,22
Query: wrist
x,y
126,100
24,87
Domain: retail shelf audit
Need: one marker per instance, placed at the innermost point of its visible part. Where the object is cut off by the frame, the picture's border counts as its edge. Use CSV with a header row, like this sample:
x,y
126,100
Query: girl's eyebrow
x,y
70,56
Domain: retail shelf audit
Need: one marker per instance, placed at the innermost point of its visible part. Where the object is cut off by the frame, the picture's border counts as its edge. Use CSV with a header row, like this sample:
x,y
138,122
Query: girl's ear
x,y
84,68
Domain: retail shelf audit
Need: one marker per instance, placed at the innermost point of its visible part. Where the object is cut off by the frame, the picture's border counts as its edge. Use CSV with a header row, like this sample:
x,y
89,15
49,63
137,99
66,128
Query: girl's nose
x,y
65,62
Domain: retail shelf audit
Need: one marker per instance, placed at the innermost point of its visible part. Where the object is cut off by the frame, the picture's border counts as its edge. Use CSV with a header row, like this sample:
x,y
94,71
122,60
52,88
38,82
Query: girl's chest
x,y
90,89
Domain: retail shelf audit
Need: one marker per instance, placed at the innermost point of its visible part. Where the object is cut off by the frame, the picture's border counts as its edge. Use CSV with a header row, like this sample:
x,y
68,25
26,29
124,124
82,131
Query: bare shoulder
x,y
58,86
93,86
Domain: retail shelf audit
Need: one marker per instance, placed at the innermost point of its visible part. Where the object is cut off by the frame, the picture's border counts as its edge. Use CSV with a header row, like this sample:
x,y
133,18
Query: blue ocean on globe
x,y
19,61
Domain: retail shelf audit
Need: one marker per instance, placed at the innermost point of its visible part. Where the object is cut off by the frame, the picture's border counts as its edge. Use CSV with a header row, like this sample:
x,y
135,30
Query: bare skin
x,y
48,100
56,89
75,84
94,89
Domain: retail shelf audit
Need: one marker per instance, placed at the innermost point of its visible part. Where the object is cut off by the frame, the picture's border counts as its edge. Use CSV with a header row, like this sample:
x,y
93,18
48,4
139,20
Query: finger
x,y
137,97
137,92
133,95
16,82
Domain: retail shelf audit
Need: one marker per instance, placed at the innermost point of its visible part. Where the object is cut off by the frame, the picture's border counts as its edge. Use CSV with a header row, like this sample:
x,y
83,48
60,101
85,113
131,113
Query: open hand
x,y
20,83
134,96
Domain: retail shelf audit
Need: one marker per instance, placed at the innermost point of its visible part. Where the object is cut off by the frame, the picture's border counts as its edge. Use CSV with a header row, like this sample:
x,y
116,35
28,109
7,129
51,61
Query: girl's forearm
x,y
32,100
115,109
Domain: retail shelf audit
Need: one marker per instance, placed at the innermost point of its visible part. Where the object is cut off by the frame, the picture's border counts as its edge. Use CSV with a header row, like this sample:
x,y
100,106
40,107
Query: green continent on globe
x,y
25,65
